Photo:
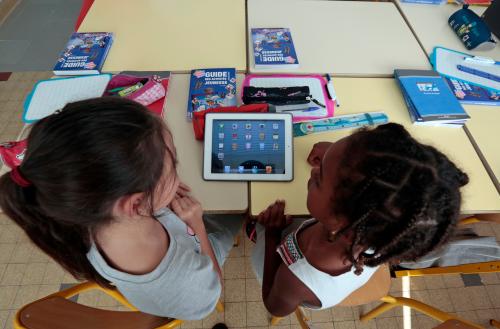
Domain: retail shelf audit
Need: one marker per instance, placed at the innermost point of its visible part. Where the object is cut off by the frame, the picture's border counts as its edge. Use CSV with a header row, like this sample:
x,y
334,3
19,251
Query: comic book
x,y
273,48
211,88
470,94
84,53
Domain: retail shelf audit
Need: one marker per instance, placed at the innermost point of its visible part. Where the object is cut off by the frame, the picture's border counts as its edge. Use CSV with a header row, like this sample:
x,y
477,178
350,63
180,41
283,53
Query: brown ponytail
x,y
79,162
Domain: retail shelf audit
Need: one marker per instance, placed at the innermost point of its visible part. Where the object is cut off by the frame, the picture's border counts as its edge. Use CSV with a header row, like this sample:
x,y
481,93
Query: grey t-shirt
x,y
184,285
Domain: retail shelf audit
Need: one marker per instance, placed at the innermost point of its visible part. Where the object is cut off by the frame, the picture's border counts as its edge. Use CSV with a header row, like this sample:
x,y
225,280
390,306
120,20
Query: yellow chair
x,y
57,312
376,289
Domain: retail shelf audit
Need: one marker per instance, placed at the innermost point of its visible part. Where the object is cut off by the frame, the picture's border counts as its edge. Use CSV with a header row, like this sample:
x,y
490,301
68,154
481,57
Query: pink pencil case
x,y
315,82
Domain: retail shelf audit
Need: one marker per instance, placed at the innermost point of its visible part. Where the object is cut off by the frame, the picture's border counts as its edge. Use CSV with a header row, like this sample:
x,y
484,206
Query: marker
x,y
480,60
331,90
479,73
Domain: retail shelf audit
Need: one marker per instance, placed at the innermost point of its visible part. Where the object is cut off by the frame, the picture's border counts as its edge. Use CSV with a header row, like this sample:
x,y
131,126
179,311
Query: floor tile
x,y
25,295
234,268
321,316
235,314
372,324
477,297
211,320
494,294
253,290
342,313
257,314
386,323
234,290
7,296
13,274
54,274
34,273
434,282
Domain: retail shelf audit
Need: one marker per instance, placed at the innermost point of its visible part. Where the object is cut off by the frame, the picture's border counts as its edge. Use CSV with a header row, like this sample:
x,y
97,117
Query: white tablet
x,y
248,146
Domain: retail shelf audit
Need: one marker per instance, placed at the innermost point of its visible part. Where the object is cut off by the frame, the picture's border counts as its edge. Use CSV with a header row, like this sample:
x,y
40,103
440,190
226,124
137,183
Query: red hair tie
x,y
18,178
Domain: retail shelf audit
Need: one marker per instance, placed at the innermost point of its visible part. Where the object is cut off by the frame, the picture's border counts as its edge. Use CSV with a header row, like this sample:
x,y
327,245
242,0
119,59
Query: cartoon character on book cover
x,y
273,46
212,88
84,50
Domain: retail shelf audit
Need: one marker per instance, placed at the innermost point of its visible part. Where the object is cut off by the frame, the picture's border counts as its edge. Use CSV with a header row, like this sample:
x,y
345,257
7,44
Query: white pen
x,y
331,90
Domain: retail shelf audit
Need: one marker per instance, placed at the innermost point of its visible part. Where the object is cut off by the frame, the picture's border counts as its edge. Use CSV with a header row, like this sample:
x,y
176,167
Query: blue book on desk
x,y
429,99
471,94
211,88
84,53
273,48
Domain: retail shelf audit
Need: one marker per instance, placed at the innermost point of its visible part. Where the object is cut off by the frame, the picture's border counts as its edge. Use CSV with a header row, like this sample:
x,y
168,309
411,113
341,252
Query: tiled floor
x,y
35,32
27,274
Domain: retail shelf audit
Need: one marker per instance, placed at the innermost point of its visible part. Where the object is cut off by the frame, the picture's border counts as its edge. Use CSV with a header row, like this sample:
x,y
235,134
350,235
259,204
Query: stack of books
x,y
429,99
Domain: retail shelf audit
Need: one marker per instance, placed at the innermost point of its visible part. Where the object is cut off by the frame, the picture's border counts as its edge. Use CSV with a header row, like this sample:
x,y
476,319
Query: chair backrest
x,y
377,287
55,312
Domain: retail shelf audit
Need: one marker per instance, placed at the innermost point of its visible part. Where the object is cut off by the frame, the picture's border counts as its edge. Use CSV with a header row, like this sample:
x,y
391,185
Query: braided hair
x,y
401,198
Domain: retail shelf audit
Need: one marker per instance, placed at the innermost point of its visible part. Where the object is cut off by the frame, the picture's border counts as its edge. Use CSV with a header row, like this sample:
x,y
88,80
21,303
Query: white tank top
x,y
329,289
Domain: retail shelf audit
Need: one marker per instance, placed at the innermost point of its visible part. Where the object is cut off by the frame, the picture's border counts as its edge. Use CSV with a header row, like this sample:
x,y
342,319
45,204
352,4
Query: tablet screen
x,y
248,146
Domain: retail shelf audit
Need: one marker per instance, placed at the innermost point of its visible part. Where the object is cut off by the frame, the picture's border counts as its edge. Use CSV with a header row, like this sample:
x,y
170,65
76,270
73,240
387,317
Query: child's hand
x,y
182,191
317,153
189,210
274,217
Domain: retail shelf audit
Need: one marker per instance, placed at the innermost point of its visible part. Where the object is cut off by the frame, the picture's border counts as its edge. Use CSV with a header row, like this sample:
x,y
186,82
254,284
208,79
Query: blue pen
x,y
479,73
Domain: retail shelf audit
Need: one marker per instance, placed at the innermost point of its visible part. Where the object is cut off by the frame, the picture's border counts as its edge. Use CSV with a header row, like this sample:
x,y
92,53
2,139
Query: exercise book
x,y
51,95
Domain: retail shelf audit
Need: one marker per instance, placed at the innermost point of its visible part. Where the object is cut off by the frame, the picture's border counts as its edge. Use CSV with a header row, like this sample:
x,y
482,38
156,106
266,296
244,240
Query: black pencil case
x,y
276,95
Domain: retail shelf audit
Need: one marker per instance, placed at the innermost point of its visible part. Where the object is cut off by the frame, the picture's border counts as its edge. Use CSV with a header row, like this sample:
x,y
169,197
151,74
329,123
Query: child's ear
x,y
129,205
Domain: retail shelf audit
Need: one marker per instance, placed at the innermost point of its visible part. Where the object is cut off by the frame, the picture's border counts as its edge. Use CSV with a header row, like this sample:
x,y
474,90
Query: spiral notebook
x,y
51,95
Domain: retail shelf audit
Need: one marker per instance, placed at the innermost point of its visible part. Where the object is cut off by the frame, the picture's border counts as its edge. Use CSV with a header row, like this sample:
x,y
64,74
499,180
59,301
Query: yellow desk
x,y
171,35
430,24
483,131
349,38
377,94
220,197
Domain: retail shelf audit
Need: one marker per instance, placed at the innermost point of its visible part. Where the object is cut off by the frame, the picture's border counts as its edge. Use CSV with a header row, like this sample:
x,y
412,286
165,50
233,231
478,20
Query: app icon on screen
x,y
235,126
248,137
241,169
262,136
221,145
220,156
221,125
276,126
276,146
261,146
227,169
276,136
248,126
255,169
221,135
234,146
269,170
262,125
248,146
235,136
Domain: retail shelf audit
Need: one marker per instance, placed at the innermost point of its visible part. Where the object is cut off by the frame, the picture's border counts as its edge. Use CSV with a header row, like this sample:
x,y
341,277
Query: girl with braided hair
x,y
377,196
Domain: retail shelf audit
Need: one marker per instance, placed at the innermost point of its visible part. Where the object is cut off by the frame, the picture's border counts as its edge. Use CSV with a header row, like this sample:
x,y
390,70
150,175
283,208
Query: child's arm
x,y
317,153
282,291
189,210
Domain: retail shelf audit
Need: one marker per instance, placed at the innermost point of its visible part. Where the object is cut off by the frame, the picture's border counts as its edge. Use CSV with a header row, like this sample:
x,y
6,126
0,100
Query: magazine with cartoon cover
x,y
211,88
84,53
472,94
273,47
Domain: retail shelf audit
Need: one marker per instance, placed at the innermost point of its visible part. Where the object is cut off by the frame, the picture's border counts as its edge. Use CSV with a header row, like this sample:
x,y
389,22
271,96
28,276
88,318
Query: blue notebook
x,y
273,48
211,88
84,53
429,98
